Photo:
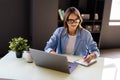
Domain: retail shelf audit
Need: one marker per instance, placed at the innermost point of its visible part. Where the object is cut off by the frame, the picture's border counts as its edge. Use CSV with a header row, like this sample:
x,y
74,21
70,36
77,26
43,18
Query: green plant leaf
x,y
18,44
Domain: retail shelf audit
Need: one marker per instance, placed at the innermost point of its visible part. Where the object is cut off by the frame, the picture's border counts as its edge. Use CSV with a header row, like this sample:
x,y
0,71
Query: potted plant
x,y
19,45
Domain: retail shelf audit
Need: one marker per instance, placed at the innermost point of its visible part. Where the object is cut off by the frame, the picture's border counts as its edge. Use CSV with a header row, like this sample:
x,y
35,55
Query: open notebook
x,y
81,62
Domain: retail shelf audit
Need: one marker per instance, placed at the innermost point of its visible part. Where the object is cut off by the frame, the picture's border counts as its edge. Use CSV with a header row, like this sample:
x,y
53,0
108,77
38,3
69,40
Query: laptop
x,y
52,61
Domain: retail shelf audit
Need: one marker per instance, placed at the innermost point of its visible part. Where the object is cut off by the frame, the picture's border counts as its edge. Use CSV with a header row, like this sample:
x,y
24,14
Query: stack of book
x,y
61,14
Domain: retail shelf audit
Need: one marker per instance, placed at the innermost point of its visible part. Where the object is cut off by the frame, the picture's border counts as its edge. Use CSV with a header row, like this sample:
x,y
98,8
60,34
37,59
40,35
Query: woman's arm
x,y
52,44
92,47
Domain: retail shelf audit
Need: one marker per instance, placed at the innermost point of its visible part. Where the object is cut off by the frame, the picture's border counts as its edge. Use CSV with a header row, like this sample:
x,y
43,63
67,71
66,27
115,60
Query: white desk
x,y
14,68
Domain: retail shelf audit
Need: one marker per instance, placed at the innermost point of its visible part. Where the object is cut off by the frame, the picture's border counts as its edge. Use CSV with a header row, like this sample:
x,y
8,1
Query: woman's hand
x,y
89,57
53,52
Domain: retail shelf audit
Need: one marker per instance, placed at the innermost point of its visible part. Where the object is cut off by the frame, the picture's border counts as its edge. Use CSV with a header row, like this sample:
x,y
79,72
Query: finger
x,y
87,59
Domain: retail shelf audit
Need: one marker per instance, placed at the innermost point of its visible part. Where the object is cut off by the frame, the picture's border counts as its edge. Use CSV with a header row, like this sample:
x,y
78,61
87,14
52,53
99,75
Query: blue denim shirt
x,y
59,39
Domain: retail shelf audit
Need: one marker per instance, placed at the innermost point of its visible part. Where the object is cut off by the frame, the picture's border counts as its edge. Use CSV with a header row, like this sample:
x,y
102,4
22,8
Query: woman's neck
x,y
72,33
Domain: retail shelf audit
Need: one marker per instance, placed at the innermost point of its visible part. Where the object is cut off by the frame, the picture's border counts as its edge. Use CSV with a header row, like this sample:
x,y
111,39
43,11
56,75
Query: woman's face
x,y
73,22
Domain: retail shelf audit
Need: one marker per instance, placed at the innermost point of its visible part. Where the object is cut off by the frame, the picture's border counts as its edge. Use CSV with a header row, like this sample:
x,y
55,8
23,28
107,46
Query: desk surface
x,y
14,68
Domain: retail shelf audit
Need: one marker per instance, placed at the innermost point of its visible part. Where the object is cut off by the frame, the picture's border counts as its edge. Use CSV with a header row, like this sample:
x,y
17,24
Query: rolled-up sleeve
x,y
92,45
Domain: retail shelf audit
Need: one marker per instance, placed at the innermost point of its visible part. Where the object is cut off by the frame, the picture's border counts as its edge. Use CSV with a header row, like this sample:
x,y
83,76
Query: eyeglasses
x,y
71,21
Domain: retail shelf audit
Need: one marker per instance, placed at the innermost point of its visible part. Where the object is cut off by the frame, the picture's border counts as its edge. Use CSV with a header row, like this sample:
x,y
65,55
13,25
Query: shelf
x,y
95,32
92,20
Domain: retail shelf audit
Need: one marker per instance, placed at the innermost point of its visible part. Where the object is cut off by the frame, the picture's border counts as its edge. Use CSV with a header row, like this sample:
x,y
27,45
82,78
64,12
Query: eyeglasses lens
x,y
71,21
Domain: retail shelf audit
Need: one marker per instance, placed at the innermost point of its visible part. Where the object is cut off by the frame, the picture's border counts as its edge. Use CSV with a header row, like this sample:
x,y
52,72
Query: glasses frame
x,y
71,21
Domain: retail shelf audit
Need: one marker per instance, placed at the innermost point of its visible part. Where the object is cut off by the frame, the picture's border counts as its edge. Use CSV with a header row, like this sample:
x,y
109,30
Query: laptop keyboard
x,y
70,64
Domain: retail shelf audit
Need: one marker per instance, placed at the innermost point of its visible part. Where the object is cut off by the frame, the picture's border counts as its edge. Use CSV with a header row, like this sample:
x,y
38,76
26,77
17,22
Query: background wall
x,y
110,35
14,21
35,20
43,21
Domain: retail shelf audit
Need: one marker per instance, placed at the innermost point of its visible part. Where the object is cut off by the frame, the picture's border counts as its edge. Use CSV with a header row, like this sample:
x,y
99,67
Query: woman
x,y
72,38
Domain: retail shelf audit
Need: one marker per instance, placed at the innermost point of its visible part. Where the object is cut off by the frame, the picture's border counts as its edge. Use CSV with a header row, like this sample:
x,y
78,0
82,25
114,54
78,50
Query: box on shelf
x,y
96,16
85,16
96,28
89,27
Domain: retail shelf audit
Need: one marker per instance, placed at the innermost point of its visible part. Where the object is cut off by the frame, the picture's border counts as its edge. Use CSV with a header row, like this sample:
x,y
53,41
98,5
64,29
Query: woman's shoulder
x,y
59,30
85,31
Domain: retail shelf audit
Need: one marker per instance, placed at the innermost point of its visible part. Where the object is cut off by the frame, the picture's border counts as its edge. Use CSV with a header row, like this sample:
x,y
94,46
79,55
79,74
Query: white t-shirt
x,y
70,45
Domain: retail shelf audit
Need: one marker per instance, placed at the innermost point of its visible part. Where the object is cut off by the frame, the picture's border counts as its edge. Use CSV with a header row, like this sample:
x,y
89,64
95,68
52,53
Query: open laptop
x,y
52,61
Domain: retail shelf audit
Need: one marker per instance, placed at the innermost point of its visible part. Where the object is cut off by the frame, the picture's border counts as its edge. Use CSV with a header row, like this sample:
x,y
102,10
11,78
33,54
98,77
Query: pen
x,y
87,52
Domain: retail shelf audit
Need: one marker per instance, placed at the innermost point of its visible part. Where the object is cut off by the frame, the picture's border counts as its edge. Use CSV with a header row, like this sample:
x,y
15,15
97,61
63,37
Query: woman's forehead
x,y
72,15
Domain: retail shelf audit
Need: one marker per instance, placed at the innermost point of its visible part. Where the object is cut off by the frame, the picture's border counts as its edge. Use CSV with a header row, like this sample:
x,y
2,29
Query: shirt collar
x,y
78,32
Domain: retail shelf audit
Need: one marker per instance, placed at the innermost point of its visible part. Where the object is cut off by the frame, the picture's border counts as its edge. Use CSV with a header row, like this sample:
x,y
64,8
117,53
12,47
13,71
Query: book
x,y
83,63
62,11
61,14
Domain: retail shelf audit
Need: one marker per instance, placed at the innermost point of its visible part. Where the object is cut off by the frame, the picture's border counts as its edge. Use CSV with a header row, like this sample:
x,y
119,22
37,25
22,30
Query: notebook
x,y
52,61
81,62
